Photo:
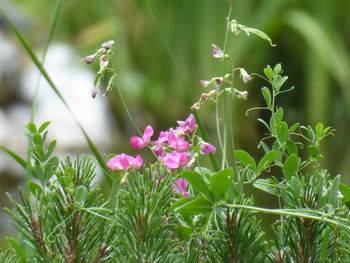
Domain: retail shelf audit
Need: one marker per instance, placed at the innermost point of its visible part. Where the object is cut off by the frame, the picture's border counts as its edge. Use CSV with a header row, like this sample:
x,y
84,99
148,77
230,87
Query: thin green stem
x,y
127,109
226,120
284,212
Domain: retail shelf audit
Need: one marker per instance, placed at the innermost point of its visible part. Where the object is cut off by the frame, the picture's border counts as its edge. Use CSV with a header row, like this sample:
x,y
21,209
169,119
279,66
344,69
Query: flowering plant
x,y
175,209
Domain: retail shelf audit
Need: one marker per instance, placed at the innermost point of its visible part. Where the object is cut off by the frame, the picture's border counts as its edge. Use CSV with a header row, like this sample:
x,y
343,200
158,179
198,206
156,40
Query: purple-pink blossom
x,y
180,187
206,148
124,162
175,160
138,143
187,126
177,142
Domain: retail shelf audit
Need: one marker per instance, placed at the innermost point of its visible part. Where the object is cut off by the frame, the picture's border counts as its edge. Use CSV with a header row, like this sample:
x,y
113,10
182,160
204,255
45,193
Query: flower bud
x,y
205,83
196,106
244,94
218,53
94,92
245,76
108,45
89,59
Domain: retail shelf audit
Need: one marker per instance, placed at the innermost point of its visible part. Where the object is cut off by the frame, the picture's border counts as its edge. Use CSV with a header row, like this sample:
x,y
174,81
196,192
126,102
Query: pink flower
x,y
178,143
124,162
245,76
159,146
162,138
218,53
205,83
180,187
138,143
175,160
187,126
206,148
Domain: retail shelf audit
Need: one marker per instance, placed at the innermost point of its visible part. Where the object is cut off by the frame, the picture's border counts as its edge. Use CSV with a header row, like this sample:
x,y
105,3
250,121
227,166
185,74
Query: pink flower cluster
x,y
124,162
173,147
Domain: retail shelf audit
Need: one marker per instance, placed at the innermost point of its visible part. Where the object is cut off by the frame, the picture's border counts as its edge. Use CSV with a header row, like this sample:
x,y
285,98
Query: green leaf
x,y
267,185
266,160
282,132
204,172
65,181
278,81
278,115
246,159
292,148
293,127
321,198
268,72
276,119
291,166
43,126
19,251
267,95
295,182
38,140
81,194
345,191
220,182
264,123
50,149
277,69
333,191
31,128
193,206
264,146
319,130
325,245
36,189
50,168
184,231
16,157
260,34
196,180
314,151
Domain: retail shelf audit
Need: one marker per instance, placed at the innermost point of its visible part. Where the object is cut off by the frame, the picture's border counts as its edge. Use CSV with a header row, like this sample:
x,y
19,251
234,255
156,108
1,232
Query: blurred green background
x,y
313,45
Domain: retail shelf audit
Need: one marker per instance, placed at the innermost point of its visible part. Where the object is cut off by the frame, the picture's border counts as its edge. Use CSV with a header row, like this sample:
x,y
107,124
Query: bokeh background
x,y
313,45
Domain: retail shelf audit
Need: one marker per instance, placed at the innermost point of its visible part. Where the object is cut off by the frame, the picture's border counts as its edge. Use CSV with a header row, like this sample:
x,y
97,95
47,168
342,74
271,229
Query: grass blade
x,y
16,157
46,47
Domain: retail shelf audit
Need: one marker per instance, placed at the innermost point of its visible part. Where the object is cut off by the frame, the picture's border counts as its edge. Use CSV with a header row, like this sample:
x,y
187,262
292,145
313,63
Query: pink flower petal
x,y
187,126
206,148
137,143
124,162
178,143
180,187
147,134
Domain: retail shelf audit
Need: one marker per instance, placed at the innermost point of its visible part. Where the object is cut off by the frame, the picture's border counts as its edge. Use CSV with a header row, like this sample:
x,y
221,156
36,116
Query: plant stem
x,y
284,212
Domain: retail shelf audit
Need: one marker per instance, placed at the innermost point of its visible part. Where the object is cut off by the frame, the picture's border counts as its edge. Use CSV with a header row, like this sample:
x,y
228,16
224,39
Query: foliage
x,y
176,209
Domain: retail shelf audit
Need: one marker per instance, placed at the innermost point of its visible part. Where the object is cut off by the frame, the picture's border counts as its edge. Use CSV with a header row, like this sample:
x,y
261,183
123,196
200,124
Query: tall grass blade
x,y
46,47
16,157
